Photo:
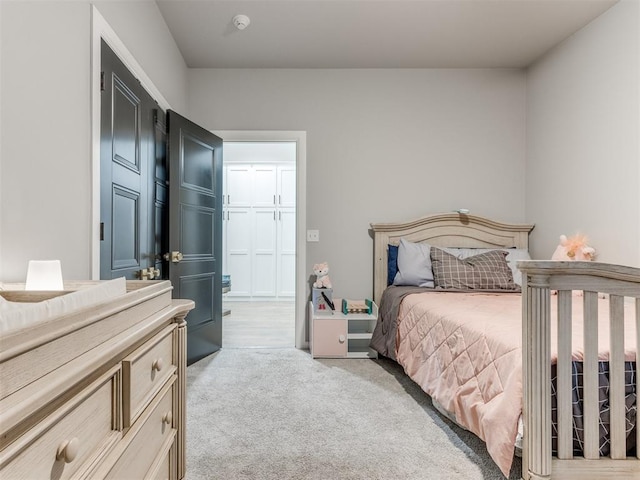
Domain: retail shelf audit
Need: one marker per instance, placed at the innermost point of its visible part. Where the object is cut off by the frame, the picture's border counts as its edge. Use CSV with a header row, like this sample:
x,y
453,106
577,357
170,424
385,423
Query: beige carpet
x,y
275,414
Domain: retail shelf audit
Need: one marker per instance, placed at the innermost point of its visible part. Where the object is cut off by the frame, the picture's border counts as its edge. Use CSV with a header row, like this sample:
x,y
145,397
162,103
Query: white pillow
x,y
515,254
414,265
17,315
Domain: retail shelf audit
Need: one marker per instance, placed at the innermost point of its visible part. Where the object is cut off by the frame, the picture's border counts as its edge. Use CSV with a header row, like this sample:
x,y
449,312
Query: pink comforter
x,y
465,351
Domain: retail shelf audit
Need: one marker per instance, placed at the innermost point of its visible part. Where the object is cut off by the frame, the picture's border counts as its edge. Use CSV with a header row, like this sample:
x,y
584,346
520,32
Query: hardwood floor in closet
x,y
259,324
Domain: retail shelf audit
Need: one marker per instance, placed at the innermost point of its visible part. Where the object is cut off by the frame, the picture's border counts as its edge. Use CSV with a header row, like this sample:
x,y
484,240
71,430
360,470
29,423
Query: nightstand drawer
x,y
71,439
144,372
329,338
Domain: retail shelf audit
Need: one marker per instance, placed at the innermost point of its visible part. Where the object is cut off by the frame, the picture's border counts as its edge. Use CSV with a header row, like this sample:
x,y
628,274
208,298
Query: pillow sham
x,y
414,265
485,271
392,263
514,254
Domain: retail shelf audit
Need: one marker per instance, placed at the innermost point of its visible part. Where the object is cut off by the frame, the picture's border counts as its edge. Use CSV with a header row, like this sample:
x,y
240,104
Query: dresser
x,y
98,393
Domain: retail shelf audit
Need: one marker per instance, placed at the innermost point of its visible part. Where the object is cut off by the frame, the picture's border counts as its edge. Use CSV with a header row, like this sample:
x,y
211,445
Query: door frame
x,y
101,30
300,139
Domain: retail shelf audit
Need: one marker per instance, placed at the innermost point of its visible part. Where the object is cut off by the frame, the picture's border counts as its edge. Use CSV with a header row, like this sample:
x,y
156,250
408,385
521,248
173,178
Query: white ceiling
x,y
373,33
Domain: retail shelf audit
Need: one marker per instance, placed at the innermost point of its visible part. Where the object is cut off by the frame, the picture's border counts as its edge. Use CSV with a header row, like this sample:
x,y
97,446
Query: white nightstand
x,y
336,335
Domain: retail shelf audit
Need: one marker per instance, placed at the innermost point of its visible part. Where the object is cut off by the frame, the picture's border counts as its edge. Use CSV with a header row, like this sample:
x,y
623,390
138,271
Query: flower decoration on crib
x,y
322,275
574,248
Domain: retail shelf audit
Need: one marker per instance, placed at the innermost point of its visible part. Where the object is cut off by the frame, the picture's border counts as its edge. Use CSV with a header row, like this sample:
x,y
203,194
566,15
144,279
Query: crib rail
x,y
619,284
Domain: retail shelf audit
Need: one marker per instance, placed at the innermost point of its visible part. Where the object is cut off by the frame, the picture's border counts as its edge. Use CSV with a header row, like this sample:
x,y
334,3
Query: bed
x,y
526,347
92,381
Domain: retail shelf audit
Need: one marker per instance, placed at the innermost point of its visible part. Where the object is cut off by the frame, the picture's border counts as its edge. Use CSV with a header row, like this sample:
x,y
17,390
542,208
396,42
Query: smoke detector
x,y
241,21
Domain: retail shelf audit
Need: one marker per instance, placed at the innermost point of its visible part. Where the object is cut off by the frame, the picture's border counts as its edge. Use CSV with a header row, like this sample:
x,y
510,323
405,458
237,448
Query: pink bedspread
x,y
465,351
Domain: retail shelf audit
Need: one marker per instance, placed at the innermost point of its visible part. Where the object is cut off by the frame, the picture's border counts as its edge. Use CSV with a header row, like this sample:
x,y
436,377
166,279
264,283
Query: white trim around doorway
x,y
300,138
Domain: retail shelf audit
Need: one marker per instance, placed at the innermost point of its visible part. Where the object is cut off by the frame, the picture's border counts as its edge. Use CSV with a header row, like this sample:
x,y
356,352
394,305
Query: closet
x,y
259,228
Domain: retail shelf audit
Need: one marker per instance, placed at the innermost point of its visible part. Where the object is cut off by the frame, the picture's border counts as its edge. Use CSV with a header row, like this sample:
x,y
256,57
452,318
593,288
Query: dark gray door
x,y
195,232
160,196
126,166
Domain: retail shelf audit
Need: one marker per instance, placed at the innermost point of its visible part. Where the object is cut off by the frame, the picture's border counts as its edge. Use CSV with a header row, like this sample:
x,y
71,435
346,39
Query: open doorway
x,y
259,244
301,275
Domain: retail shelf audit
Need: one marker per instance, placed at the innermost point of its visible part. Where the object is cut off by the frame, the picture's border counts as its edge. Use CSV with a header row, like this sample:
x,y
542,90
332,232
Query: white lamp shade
x,y
44,275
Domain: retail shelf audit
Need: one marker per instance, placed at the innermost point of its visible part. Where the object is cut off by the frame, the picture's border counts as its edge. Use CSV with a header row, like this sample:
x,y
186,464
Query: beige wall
x,y
45,135
583,138
45,186
382,145
140,26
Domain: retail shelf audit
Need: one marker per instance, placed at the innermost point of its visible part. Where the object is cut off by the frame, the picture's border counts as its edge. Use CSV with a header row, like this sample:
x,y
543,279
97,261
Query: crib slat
x,y
616,378
563,394
590,376
637,370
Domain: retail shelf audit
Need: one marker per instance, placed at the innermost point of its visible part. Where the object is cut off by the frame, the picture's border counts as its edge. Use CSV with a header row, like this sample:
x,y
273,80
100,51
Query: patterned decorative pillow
x,y
486,271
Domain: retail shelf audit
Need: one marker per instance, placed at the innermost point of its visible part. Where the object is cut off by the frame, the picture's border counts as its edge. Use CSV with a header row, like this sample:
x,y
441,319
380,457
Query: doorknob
x,y
146,274
175,257
155,272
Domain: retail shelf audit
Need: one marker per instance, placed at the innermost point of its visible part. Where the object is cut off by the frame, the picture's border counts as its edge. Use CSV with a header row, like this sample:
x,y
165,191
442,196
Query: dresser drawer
x,y
144,442
72,438
144,372
165,467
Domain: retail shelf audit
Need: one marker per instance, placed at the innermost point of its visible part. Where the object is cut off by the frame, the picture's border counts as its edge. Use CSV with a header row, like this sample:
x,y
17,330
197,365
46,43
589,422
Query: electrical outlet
x,y
313,235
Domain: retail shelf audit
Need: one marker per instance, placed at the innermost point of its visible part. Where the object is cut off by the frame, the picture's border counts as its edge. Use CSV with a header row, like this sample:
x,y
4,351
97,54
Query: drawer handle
x,y
157,364
68,450
341,338
167,418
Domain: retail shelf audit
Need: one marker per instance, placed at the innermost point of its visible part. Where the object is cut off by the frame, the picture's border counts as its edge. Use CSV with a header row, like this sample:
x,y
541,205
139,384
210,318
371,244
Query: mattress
x,y
465,351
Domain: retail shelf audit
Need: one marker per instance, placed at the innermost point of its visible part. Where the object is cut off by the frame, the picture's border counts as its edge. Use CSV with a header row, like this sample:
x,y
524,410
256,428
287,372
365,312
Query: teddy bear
x,y
322,275
574,248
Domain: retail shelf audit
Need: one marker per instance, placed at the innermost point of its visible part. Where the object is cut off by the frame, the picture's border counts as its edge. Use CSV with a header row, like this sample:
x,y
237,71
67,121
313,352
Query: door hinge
x,y
102,81
101,231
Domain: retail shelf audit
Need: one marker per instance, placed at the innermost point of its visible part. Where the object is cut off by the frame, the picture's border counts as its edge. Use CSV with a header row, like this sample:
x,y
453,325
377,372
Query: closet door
x,y
286,230
287,186
264,252
239,225
286,256
260,236
264,186
239,186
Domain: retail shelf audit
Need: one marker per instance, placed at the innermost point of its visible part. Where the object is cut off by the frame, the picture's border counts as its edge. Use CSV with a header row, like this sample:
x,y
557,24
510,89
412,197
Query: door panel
x,y
126,118
264,189
126,218
160,185
287,186
239,186
287,252
264,252
195,219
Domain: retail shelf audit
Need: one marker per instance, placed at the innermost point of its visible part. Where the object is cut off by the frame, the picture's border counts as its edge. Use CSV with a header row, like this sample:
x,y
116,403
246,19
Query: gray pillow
x,y
414,265
486,271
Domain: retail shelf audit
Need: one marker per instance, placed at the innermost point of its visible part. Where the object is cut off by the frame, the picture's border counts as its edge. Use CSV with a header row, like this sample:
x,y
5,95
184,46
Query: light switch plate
x,y
313,235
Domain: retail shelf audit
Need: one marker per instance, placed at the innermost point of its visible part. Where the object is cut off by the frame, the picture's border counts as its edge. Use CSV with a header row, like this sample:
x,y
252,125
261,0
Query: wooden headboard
x,y
443,230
